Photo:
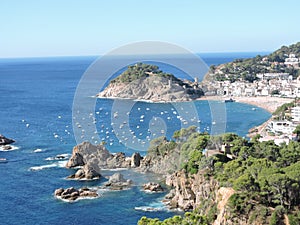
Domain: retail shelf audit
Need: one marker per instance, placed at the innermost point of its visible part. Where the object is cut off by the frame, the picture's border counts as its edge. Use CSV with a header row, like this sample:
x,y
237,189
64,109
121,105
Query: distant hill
x,y
283,60
146,82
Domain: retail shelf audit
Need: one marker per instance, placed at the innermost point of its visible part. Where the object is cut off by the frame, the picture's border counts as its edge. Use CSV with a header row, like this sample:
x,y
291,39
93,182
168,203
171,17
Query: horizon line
x,y
100,55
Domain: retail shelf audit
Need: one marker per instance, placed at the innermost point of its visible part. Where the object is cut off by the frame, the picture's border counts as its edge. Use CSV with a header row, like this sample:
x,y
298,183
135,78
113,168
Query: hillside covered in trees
x,y
264,176
247,69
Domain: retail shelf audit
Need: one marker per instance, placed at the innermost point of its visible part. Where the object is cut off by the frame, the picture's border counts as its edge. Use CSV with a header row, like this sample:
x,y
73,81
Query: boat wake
x,y
8,148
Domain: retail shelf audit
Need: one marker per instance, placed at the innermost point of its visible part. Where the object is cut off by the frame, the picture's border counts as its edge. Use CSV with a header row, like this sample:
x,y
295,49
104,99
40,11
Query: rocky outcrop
x,y
117,182
204,194
5,140
72,194
190,190
153,88
86,153
135,160
161,164
223,195
118,160
85,173
153,187
98,157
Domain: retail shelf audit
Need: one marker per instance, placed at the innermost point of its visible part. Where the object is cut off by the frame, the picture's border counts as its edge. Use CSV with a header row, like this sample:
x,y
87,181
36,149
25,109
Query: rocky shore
x,y
155,89
5,141
188,192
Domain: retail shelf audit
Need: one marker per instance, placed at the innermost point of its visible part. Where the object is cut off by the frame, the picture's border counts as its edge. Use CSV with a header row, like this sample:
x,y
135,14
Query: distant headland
x,y
146,82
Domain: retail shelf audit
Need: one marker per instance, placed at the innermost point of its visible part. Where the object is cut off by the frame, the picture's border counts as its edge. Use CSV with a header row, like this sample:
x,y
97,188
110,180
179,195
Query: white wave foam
x,y
116,169
8,150
83,179
56,164
78,199
152,207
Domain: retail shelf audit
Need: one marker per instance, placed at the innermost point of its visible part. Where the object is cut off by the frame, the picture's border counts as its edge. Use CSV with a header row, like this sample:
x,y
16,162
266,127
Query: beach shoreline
x,y
266,102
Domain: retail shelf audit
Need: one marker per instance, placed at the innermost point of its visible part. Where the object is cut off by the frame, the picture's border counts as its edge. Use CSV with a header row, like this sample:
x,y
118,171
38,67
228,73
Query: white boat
x,y
3,160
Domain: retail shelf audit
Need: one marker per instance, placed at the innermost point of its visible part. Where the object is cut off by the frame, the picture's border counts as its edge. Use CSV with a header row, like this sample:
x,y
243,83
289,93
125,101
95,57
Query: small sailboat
x,y
3,160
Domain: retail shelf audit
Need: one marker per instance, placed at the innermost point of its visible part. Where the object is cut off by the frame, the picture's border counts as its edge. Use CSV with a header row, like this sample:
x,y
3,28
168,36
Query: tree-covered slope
x,y
247,69
264,176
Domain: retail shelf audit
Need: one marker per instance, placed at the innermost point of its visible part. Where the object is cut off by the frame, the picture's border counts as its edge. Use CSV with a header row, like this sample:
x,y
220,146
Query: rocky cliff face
x,y
153,88
189,192
161,164
97,157
204,194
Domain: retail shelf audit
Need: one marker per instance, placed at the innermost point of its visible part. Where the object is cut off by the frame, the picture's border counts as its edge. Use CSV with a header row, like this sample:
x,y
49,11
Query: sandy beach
x,y
266,102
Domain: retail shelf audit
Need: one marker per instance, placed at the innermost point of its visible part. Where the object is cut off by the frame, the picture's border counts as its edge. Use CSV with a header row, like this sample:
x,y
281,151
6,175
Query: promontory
x,y
146,82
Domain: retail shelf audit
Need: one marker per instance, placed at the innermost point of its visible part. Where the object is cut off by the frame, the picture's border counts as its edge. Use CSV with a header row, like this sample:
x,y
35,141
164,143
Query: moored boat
x,y
3,160
229,100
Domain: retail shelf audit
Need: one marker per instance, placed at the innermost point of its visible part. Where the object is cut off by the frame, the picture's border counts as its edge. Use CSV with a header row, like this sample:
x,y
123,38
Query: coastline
x,y
266,102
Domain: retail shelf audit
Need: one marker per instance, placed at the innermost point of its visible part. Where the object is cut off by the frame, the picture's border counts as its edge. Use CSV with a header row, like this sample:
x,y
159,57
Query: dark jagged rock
x,y
118,160
72,194
7,147
117,182
86,172
98,157
136,160
5,141
153,187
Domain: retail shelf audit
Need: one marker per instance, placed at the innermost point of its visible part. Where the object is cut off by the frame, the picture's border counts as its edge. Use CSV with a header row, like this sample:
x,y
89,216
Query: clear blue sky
x,y
93,27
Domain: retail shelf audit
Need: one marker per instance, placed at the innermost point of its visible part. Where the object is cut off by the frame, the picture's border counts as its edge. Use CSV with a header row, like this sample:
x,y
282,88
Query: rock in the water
x,y
72,194
75,160
118,182
59,191
135,160
86,172
117,160
7,147
153,187
96,156
5,140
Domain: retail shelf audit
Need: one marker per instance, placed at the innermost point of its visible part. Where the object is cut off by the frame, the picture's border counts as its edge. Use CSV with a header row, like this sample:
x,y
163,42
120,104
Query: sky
x,y
35,28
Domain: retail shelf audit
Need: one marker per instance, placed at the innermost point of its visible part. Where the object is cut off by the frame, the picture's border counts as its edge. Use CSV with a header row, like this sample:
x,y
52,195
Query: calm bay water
x,y
36,97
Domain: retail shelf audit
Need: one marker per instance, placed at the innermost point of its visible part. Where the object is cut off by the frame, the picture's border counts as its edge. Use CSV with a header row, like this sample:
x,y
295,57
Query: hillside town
x,y
268,82
281,84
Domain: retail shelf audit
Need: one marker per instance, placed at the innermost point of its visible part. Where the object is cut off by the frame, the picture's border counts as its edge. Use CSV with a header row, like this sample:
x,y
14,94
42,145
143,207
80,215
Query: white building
x,y
285,127
291,60
296,114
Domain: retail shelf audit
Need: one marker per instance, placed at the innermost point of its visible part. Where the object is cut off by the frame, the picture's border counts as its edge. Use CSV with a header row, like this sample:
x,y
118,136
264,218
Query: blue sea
x,y
36,98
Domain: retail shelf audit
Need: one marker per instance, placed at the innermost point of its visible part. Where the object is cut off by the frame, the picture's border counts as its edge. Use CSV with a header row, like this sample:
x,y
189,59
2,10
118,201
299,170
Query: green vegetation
x,y
247,69
282,109
141,70
265,176
187,219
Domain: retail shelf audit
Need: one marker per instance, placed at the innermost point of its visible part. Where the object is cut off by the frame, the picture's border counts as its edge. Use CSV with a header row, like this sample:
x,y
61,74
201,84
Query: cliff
x,y
204,195
151,85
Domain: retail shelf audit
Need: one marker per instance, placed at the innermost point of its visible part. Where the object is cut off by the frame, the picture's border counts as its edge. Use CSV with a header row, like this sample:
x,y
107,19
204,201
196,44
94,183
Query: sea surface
x,y
36,99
